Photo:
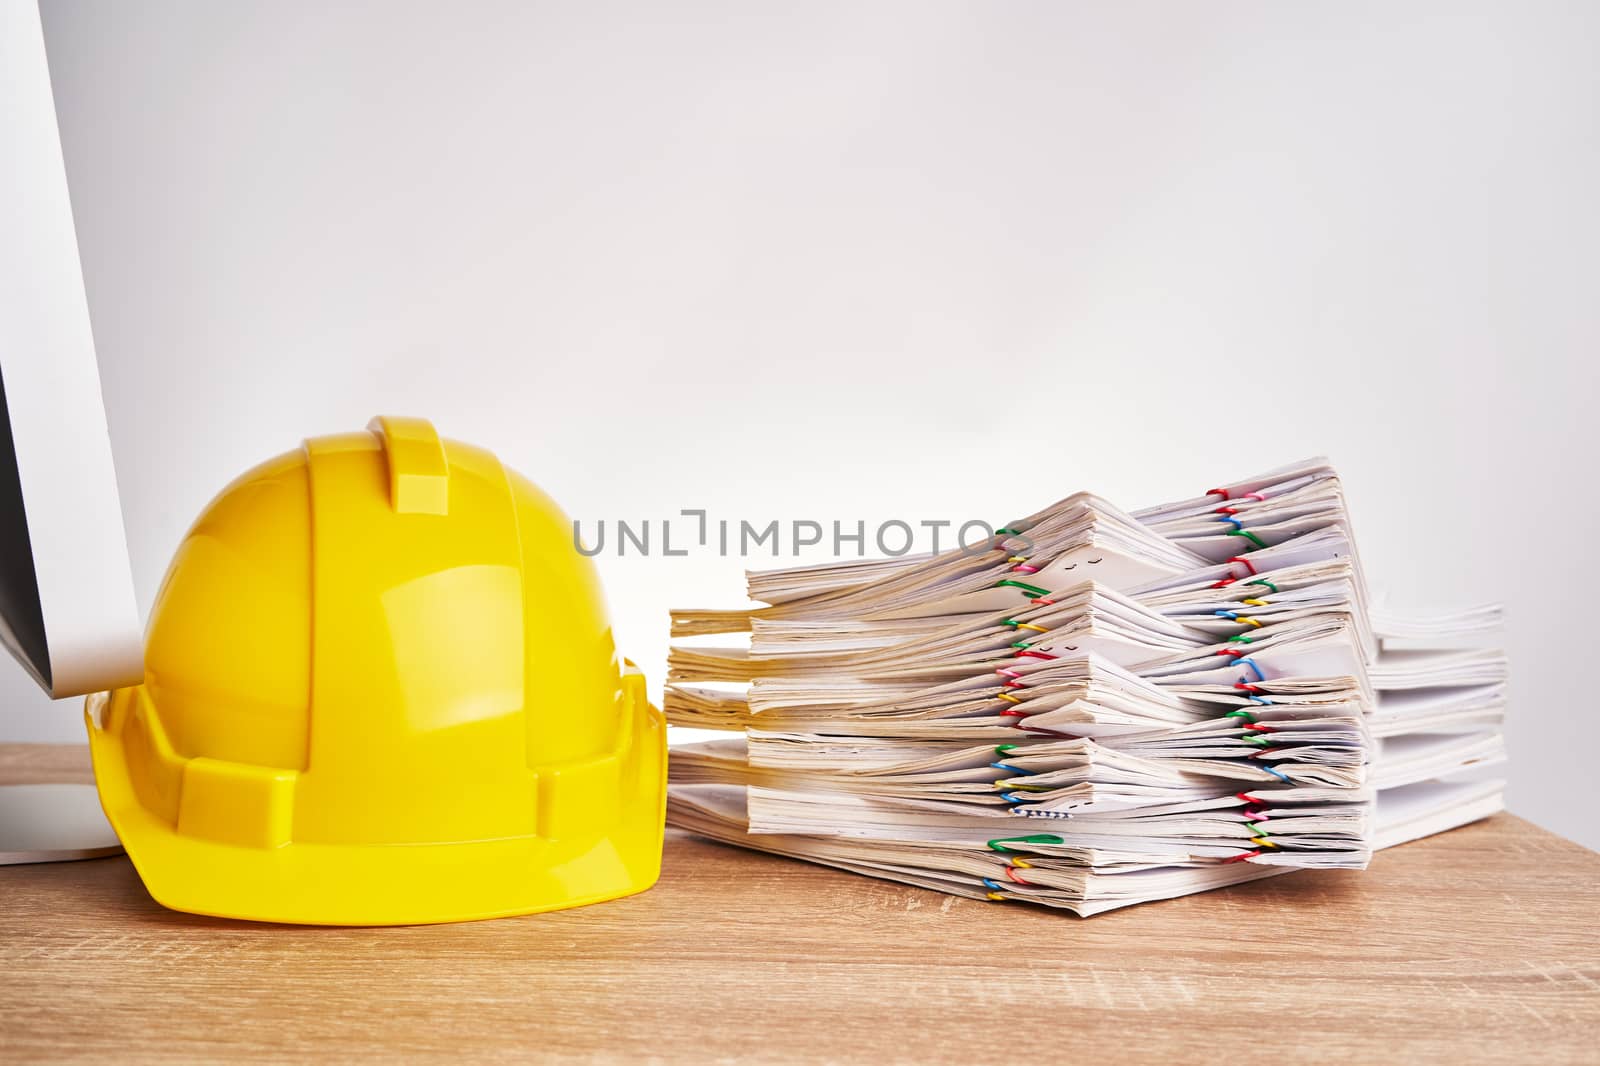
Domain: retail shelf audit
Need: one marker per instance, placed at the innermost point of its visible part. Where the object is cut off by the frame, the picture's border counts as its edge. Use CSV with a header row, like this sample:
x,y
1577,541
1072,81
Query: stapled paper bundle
x,y
1101,708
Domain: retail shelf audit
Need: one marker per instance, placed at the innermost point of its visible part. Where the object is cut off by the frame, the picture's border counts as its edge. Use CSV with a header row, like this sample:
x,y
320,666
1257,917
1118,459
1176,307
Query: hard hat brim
x,y
409,884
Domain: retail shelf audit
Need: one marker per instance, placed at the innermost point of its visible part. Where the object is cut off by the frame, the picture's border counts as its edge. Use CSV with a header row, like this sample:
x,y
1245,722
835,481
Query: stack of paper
x,y
1100,708
1438,723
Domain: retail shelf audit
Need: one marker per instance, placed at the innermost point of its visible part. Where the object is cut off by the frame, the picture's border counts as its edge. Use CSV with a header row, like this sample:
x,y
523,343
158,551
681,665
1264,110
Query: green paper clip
x,y
1036,838
1259,543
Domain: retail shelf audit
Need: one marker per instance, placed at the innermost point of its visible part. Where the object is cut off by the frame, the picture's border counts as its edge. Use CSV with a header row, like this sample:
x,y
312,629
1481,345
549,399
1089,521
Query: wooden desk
x,y
1482,945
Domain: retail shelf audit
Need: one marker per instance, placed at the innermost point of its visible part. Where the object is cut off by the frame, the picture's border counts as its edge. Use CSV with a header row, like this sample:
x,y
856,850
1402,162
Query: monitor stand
x,y
49,814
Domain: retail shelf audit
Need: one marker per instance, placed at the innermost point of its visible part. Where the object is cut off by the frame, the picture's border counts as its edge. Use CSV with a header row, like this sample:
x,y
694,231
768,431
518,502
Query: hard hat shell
x,y
381,688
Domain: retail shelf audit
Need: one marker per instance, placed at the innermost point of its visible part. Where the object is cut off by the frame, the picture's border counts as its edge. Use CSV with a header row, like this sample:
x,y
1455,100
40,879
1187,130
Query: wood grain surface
x,y
1480,945
45,764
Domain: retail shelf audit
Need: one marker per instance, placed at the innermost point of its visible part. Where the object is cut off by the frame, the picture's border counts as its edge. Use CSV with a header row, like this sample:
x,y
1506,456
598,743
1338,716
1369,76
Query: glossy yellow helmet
x,y
381,688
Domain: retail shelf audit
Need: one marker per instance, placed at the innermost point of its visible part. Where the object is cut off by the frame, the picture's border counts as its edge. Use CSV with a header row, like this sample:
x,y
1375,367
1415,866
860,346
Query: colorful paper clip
x,y
1242,532
1239,618
999,843
1017,770
1032,590
1251,692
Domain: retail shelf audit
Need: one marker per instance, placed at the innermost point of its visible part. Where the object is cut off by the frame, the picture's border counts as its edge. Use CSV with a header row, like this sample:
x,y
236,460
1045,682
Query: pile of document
x,y
1095,708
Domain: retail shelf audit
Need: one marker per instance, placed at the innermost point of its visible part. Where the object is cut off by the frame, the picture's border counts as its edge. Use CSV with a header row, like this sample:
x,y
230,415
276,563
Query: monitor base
x,y
53,823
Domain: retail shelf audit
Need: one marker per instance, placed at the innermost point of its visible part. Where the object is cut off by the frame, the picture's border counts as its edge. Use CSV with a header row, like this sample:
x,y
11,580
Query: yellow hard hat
x,y
380,688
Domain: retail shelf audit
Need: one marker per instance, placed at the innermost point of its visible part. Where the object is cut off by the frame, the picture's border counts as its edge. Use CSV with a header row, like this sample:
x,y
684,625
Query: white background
x,y
845,260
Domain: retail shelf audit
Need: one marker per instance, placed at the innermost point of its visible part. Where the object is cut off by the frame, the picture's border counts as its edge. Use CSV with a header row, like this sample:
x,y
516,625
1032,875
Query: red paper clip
x,y
1011,873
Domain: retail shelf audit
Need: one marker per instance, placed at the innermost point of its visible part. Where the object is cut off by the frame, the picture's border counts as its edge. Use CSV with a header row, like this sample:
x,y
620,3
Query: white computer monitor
x,y
67,607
